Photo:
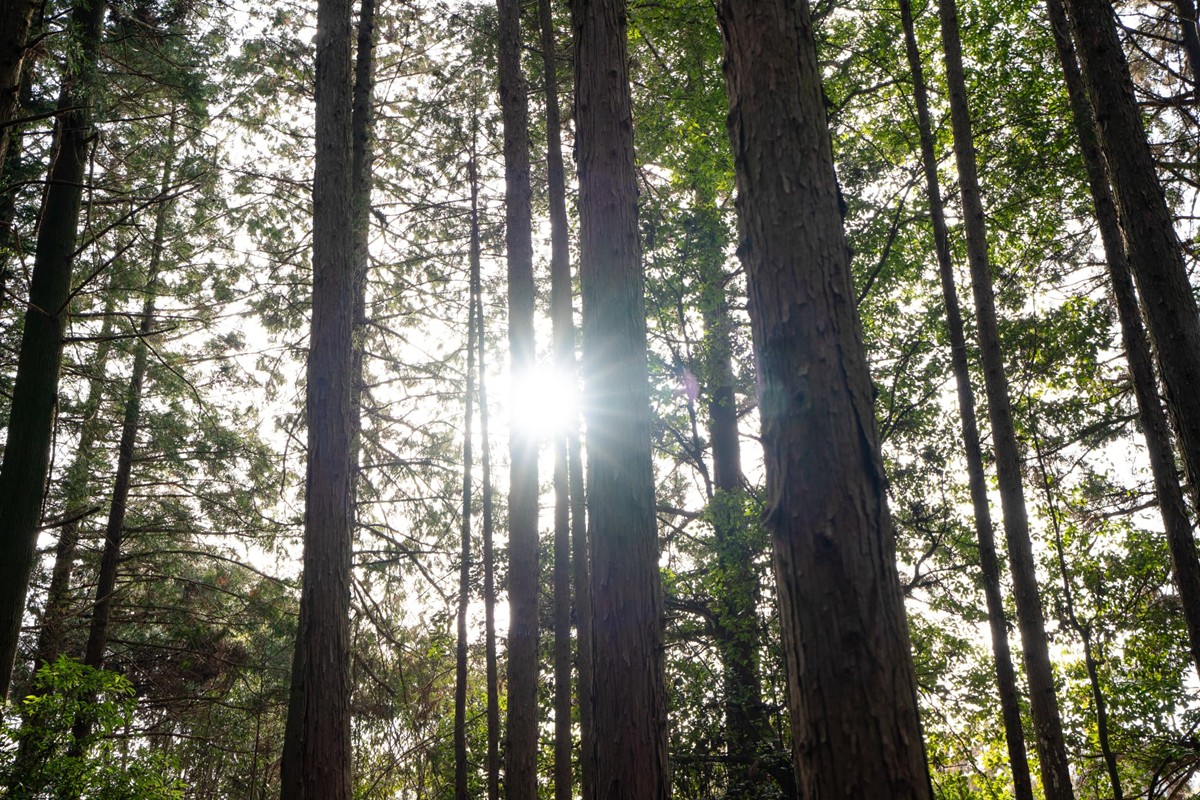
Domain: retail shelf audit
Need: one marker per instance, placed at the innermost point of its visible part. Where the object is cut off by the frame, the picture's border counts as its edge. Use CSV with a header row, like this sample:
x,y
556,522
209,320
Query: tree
x,y
1043,701
566,445
461,791
27,451
854,717
523,575
989,565
17,15
1152,245
114,531
1155,427
629,748
316,758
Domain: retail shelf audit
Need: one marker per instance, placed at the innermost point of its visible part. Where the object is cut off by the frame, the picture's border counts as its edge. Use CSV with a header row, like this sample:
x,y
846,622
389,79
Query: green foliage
x,y
44,759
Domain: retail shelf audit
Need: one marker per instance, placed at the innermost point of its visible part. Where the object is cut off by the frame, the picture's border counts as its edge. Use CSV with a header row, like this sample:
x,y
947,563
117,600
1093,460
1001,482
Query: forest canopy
x,y
599,399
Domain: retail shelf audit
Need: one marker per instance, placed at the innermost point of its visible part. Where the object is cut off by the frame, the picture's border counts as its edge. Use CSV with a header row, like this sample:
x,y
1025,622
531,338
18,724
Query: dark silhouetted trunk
x,y
75,489
521,732
52,632
989,565
563,325
629,745
316,755
855,725
754,762
1186,565
27,451
1083,628
489,562
464,569
114,530
1155,256
1189,35
17,15
580,571
1043,702
362,126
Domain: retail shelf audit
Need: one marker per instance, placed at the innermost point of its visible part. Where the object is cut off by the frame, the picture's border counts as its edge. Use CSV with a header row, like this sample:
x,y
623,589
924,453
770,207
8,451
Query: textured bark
x,y
989,565
1171,505
1043,702
563,331
27,451
1155,256
855,725
464,569
629,745
316,756
17,15
520,756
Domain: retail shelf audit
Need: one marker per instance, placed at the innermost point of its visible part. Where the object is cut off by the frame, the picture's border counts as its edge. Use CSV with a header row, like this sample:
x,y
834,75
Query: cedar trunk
x,y
461,767
27,451
1171,505
755,763
520,767
1043,702
855,725
75,489
1155,256
629,745
316,755
989,564
485,476
563,325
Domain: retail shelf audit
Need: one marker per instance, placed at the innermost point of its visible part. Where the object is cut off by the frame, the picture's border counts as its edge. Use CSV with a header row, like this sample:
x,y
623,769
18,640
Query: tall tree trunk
x,y
1084,629
316,755
1155,256
580,578
58,597
520,768
362,126
461,791
855,725
114,529
10,169
1171,505
1043,702
1189,34
75,489
17,16
485,459
27,452
989,565
563,331
753,764
628,692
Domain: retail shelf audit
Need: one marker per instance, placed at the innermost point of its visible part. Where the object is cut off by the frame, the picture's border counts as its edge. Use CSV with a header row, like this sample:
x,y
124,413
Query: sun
x,y
545,402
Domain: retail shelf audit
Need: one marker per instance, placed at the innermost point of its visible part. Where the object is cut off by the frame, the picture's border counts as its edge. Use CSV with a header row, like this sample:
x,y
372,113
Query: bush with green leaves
x,y
40,756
